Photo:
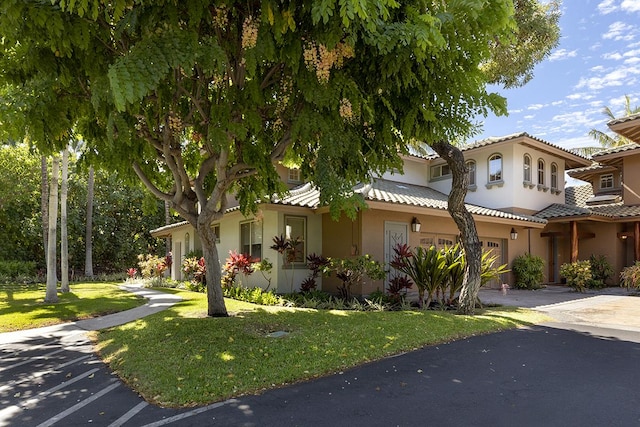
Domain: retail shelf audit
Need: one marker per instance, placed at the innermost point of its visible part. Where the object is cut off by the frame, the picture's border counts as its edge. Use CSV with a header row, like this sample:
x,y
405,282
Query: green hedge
x,y
15,269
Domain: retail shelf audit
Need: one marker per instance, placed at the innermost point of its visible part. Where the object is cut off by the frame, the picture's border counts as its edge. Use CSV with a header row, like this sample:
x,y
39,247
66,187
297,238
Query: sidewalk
x,y
156,301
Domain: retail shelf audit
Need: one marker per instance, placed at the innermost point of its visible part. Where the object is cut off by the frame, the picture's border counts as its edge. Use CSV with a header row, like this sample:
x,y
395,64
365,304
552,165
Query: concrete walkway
x,y
156,301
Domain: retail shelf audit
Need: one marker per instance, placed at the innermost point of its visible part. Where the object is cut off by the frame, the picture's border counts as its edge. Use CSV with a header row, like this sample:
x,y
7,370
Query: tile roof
x,y
382,190
624,119
495,140
576,206
594,167
615,150
578,195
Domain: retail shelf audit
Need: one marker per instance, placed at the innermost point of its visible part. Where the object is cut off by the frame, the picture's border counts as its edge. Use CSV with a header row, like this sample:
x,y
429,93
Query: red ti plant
x,y
131,272
237,263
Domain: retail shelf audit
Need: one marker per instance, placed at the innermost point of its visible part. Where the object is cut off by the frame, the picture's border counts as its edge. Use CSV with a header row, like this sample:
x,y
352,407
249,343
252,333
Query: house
x,y
602,217
516,195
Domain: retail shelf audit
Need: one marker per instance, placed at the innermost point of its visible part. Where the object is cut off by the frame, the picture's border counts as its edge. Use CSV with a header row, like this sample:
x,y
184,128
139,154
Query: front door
x,y
394,233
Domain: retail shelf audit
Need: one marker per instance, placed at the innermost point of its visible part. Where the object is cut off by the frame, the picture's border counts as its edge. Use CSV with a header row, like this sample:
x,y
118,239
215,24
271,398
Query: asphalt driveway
x,y
580,370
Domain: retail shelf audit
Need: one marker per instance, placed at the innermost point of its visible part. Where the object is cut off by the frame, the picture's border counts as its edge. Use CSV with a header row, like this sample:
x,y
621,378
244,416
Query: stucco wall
x,y
631,178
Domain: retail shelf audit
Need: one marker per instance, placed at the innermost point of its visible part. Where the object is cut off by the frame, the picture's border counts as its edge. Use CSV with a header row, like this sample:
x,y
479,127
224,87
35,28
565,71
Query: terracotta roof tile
x,y
382,190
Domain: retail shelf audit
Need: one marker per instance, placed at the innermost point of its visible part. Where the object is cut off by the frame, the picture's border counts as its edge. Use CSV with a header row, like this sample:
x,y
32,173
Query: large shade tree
x,y
201,99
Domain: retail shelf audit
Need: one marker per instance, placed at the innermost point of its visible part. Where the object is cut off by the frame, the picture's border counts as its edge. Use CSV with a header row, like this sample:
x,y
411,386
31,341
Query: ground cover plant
x,y
181,357
23,306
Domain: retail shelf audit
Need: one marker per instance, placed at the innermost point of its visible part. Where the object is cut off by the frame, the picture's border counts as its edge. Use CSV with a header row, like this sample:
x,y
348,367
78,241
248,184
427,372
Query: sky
x,y
596,64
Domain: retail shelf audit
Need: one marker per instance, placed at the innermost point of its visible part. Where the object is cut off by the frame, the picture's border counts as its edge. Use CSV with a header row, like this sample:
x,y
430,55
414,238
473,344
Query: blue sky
x,y
596,64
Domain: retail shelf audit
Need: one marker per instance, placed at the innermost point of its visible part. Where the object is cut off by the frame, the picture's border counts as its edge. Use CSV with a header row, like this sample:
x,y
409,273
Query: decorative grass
x,y
23,306
179,357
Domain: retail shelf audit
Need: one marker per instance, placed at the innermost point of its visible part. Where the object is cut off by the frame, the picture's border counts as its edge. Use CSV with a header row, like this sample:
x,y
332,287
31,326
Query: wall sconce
x,y
415,225
514,234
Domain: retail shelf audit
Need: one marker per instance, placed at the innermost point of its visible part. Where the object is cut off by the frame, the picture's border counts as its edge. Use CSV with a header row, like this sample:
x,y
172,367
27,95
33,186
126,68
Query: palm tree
x,y
52,281
604,139
64,237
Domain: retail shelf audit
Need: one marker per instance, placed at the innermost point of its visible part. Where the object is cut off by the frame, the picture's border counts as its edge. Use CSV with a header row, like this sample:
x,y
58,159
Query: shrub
x,y
578,274
196,271
529,271
253,295
237,263
630,276
151,266
352,271
601,270
16,269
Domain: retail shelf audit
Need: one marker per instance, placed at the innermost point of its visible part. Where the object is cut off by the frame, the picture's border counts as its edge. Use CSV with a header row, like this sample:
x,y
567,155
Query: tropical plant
x,y
353,271
318,265
578,274
630,276
490,271
601,270
237,263
426,267
528,271
455,260
196,271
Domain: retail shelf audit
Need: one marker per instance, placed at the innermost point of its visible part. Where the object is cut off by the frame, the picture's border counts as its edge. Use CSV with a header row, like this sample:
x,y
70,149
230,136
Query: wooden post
x,y
636,241
574,241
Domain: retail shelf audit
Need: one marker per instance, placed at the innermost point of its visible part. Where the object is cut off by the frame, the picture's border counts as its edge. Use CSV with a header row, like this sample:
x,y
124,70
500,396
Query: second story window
x,y
440,171
541,172
554,176
526,171
471,172
606,181
495,168
294,176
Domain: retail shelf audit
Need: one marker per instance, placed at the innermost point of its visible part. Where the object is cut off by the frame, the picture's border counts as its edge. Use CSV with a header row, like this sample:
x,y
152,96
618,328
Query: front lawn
x,y
23,306
179,357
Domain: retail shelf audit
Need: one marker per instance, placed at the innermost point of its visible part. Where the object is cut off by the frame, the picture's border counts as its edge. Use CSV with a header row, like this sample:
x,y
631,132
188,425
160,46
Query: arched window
x,y
540,172
554,176
495,168
471,172
526,171
186,243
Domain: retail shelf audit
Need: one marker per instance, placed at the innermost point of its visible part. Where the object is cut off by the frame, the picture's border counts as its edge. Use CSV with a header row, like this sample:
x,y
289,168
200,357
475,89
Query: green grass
x,y
179,357
23,306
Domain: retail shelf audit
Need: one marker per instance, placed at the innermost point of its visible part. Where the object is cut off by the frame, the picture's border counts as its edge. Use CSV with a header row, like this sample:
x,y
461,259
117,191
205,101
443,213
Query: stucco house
x,y
517,196
602,217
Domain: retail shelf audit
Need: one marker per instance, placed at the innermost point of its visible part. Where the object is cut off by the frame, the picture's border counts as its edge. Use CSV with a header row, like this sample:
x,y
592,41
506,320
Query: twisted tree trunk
x,y
466,225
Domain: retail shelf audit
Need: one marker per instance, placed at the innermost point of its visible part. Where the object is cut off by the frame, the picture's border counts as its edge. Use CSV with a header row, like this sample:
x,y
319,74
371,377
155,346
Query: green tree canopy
x,y
201,99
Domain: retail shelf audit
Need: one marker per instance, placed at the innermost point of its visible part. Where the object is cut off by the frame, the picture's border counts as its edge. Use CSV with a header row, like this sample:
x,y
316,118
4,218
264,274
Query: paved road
x,y
564,374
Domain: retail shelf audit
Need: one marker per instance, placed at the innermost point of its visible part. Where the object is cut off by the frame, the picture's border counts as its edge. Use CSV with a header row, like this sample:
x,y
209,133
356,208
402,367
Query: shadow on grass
x,y
216,358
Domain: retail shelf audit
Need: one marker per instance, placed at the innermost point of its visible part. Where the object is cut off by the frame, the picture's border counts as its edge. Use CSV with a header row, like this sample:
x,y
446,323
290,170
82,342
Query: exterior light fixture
x,y
514,234
415,225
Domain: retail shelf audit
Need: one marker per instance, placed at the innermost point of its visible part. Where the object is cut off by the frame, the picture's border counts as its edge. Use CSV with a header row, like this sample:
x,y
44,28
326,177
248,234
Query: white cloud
x,y
535,107
617,77
580,96
607,6
597,68
561,54
630,5
556,103
516,111
616,56
529,116
619,31
632,61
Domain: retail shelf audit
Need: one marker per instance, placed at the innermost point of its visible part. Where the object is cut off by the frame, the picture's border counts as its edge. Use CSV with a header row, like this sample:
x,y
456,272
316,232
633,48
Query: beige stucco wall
x,y
631,178
341,239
